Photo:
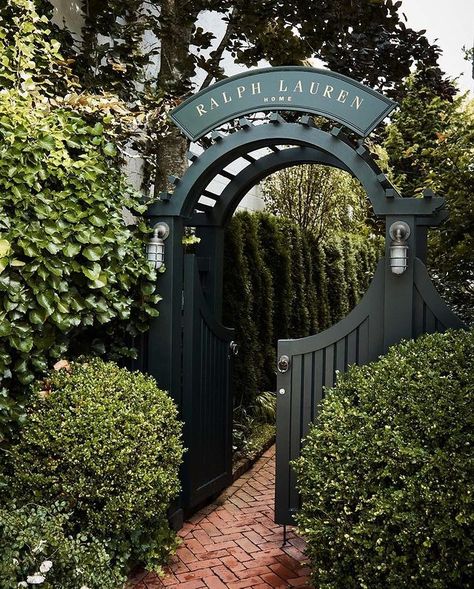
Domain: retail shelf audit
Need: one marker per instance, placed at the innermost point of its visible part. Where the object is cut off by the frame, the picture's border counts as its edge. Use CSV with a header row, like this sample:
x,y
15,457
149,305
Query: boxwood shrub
x,y
386,471
107,443
37,549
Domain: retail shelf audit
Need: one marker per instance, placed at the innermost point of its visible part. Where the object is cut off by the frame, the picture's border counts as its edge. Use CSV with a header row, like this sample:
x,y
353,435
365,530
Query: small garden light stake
x,y
399,232
155,249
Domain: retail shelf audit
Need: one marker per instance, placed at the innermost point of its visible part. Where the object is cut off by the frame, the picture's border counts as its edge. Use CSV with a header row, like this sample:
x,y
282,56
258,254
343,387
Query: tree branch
x,y
216,58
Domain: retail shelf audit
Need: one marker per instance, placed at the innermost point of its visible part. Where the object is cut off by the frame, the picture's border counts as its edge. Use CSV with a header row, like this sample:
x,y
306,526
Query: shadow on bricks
x,y
234,543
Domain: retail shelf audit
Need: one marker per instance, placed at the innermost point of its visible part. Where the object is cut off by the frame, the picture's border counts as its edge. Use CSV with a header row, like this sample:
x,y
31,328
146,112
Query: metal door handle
x,y
283,363
234,348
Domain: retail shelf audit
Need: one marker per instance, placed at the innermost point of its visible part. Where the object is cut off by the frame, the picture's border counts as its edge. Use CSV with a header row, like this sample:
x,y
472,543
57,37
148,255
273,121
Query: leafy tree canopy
x,y
367,40
430,144
318,199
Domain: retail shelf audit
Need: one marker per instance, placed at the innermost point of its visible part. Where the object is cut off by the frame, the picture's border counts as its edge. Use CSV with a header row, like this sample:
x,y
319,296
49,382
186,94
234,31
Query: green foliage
x,y
386,471
261,288
254,424
280,282
322,200
430,144
30,57
368,41
36,546
238,302
337,280
107,443
72,275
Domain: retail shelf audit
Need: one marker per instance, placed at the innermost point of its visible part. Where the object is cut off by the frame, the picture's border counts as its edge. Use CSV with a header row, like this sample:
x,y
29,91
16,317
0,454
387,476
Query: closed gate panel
x,y
207,396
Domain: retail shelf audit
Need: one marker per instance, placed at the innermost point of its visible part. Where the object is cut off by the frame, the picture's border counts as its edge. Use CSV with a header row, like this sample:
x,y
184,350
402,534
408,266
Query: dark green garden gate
x,y
189,352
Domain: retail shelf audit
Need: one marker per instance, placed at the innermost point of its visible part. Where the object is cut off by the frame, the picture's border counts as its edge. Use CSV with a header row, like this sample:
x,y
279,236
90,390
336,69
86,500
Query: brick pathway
x,y
234,543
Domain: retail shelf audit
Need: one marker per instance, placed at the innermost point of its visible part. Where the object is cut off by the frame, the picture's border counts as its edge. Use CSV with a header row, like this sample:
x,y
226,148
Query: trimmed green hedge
x,y
279,282
37,546
107,443
386,472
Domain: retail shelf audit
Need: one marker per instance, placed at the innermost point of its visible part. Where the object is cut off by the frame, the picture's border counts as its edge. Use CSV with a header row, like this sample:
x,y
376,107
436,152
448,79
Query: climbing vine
x,y
72,272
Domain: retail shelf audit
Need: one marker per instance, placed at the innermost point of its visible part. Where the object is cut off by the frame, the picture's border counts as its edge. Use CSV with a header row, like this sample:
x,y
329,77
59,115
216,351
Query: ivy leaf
x,y
72,249
45,299
92,273
110,149
100,282
93,253
5,248
5,328
47,143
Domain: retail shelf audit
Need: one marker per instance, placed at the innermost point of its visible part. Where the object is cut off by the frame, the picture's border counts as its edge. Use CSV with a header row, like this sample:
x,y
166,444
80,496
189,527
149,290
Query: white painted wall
x,y
69,13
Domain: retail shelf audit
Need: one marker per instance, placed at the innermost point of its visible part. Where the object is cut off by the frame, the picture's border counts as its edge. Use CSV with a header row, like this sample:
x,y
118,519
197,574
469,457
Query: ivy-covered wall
x,y
279,282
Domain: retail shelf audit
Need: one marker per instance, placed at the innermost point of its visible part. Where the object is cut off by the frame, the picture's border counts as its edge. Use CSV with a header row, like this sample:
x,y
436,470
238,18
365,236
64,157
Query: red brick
x,y
192,585
204,564
185,555
253,571
274,581
248,546
224,573
250,582
214,583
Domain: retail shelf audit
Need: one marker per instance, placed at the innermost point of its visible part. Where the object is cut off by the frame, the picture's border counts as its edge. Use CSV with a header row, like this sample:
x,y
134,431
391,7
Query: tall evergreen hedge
x,y
279,282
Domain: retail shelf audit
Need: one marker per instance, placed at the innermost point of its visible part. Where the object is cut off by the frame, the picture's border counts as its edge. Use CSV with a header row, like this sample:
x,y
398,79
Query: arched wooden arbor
x,y
189,352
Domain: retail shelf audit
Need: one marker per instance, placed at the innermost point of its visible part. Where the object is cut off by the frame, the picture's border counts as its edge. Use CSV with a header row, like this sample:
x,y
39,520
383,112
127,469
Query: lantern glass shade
x,y
155,251
398,258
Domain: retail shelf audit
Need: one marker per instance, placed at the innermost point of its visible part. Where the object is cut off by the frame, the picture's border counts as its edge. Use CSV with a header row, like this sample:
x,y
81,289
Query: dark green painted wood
x,y
288,88
359,338
207,396
164,351
323,354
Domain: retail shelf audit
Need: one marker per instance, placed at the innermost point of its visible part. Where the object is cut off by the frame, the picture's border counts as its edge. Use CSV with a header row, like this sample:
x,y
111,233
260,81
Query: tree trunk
x,y
175,72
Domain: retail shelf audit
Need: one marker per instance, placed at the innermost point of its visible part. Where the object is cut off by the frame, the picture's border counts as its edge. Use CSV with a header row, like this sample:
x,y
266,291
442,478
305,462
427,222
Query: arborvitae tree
x,y
310,300
350,270
299,316
238,312
277,259
320,280
262,299
337,286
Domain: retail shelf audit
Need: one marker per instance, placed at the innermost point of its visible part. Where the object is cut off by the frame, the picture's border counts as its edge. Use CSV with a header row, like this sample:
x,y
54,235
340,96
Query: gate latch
x,y
283,363
234,348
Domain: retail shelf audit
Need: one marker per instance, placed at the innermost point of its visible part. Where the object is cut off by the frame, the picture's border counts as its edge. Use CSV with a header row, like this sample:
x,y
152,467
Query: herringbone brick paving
x,y
234,542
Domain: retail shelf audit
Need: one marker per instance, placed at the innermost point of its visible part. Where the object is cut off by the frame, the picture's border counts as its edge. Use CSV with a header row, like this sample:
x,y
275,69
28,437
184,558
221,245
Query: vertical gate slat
x,y
295,436
307,396
341,361
363,343
319,381
352,347
329,352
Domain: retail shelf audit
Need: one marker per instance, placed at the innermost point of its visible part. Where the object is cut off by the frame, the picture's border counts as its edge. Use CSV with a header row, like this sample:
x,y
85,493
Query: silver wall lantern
x,y
399,232
155,249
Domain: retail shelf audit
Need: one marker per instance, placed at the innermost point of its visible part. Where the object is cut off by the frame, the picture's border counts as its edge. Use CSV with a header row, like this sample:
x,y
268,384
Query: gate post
x,y
163,359
398,303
